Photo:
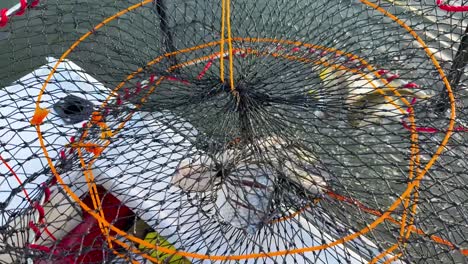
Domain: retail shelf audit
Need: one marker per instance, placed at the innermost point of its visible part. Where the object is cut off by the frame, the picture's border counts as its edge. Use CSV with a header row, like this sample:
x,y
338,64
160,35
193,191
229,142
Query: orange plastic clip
x,y
96,117
89,147
39,116
96,149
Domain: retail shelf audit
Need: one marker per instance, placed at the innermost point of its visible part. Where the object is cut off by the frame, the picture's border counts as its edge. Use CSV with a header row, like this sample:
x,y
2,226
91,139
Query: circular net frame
x,y
234,131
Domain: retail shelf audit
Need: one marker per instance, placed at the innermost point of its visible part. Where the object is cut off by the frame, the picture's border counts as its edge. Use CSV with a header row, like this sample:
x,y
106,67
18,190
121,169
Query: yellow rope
x,y
226,21
231,55
221,44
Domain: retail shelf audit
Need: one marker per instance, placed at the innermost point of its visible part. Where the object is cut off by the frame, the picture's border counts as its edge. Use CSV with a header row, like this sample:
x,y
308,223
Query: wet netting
x,y
233,131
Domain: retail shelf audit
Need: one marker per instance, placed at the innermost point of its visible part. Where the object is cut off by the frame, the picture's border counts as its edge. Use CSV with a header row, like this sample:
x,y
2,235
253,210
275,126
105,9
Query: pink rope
x,y
43,249
392,77
35,3
420,129
411,85
4,17
296,49
127,94
40,247
72,140
152,78
35,229
174,79
40,210
63,156
23,7
47,193
382,72
430,130
460,129
206,68
450,8
138,88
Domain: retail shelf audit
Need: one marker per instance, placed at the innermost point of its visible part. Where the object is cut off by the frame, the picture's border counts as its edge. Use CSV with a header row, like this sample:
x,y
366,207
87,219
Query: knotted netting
x,y
233,131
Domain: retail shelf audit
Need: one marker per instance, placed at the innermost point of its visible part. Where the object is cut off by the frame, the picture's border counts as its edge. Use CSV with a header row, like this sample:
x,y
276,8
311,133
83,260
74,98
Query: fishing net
x,y
233,131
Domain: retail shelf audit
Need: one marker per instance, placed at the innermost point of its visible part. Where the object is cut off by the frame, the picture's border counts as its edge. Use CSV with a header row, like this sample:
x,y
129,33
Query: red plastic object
x,y
3,17
85,243
23,6
451,8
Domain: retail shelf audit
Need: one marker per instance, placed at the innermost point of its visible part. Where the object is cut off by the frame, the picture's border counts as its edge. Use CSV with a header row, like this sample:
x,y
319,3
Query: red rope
x,y
296,49
49,233
47,193
35,229
430,130
152,78
40,210
353,201
127,93
450,8
206,68
23,6
36,205
34,3
411,85
175,79
390,77
4,17
16,177
138,88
